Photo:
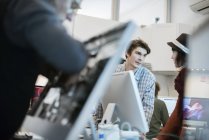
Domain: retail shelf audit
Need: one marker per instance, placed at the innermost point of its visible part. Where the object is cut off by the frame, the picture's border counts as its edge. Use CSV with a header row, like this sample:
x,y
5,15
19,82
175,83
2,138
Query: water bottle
x,y
101,136
108,132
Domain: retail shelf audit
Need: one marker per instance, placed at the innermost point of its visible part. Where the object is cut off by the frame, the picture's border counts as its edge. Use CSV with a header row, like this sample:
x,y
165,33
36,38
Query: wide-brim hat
x,y
180,43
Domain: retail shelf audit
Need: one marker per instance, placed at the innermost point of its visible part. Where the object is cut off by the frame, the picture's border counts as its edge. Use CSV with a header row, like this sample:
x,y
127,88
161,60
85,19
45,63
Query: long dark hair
x,y
181,57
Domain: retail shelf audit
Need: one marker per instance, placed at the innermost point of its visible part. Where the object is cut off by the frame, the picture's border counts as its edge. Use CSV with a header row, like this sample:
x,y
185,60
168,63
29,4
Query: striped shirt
x,y
146,85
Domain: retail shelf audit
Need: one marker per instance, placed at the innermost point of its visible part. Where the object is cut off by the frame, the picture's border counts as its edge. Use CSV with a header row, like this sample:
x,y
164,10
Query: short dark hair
x,y
157,88
138,43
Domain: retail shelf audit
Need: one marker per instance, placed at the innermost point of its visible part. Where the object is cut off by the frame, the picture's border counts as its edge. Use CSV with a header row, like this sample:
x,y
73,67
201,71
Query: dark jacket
x,y
173,127
159,118
30,34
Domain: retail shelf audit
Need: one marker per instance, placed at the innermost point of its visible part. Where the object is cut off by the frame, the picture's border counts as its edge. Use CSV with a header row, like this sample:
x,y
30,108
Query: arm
x,y
35,25
148,100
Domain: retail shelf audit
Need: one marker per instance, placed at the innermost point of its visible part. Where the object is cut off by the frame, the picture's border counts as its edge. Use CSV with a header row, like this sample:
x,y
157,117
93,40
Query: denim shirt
x,y
146,85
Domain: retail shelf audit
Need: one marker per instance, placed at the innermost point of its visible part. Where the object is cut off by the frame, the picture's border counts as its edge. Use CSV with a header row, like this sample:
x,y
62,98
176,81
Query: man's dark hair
x,y
138,43
157,88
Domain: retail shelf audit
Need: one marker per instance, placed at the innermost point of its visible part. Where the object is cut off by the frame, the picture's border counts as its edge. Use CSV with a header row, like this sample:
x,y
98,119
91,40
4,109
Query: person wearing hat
x,y
173,126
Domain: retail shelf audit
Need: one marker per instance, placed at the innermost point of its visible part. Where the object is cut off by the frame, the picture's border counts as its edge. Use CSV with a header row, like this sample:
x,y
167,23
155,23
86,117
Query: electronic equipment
x,y
124,94
65,115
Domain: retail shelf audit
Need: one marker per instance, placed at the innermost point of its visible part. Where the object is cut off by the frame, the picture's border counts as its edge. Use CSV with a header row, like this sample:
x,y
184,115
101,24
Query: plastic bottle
x,y
101,136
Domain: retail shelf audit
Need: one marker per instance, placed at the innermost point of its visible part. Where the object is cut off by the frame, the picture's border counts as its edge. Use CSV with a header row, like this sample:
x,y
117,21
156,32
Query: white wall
x,y
96,8
166,85
145,13
181,13
197,84
84,27
140,11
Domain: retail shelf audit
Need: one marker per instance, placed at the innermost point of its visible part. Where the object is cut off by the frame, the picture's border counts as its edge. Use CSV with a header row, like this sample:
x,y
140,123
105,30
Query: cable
x,y
93,128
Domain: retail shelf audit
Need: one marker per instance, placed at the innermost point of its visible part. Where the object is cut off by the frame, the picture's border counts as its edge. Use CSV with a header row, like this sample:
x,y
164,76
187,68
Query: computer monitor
x,y
124,93
195,118
67,118
195,112
196,103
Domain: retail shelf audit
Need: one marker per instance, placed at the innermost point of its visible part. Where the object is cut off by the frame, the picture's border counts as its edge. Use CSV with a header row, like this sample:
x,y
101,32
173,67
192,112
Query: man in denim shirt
x,y
135,57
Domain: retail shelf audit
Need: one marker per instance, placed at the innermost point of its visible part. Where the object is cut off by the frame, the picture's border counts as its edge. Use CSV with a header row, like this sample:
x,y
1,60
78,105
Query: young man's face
x,y
137,57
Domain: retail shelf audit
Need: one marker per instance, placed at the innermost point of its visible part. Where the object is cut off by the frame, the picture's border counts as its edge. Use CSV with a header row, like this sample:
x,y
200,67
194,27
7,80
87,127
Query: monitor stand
x,y
108,115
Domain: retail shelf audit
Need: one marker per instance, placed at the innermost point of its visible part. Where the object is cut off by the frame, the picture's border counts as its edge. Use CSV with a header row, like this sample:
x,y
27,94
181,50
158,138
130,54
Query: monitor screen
x,y
196,100
195,118
195,111
124,93
67,115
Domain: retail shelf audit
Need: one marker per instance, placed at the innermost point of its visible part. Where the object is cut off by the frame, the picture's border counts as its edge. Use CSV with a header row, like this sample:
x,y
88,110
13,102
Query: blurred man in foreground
x,y
31,34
